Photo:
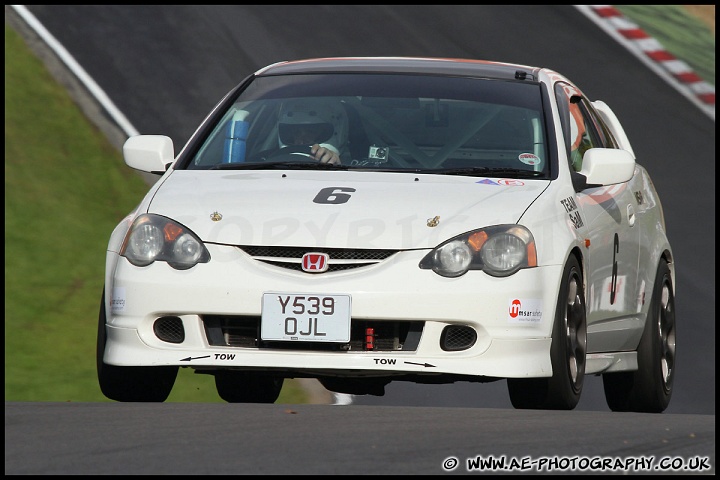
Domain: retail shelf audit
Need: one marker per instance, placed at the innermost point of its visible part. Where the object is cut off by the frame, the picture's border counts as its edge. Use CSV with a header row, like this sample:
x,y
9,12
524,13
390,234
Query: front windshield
x,y
398,122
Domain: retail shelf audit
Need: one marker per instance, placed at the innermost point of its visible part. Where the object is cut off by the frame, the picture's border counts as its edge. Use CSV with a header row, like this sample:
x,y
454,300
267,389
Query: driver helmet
x,y
315,120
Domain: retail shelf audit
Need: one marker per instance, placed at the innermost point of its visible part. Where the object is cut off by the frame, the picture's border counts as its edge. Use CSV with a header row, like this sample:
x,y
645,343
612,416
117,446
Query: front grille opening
x,y
339,258
244,331
457,337
298,252
169,329
298,267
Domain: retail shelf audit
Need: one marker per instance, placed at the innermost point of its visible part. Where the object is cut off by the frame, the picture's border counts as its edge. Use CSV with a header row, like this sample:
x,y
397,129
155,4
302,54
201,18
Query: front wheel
x,y
247,387
649,388
567,352
130,384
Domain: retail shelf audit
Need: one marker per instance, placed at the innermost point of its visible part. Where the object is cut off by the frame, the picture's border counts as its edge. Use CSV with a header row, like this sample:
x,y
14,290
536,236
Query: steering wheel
x,y
296,151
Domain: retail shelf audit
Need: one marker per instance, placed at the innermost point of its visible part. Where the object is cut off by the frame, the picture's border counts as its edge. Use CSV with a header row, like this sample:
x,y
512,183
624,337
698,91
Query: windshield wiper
x,y
278,166
488,172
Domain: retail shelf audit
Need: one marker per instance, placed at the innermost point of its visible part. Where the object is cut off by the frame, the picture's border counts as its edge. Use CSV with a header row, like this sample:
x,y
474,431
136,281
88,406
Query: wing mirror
x,y
604,166
149,153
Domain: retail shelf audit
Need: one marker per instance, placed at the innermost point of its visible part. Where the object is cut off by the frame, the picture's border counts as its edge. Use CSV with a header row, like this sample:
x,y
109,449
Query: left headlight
x,y
500,250
154,238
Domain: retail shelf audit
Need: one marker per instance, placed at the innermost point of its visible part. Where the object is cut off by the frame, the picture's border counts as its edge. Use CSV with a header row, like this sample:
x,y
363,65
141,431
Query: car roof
x,y
437,66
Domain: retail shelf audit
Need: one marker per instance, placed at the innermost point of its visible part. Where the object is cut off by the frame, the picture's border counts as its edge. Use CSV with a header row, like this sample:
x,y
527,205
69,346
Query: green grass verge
x,y
679,32
66,187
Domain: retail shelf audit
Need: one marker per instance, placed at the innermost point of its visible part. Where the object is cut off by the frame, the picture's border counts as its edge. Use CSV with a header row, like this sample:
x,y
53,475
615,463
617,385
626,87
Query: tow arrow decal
x,y
421,364
193,358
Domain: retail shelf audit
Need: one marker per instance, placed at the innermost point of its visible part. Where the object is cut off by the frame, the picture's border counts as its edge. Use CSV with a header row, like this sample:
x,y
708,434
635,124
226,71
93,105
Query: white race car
x,y
368,220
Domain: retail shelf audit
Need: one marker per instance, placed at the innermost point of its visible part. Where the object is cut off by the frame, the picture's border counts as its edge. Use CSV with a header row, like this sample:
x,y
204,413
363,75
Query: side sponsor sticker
x,y
117,302
525,310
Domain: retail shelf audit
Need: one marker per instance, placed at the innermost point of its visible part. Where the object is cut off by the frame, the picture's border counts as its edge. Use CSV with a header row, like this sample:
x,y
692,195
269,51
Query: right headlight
x,y
154,238
500,250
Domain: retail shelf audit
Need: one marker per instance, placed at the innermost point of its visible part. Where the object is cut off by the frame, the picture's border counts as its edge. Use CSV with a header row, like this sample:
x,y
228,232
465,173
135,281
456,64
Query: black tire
x,y
649,388
567,352
247,387
130,384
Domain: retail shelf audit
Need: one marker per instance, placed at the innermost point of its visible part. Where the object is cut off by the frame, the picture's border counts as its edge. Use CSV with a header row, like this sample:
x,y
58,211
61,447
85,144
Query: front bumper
x,y
396,290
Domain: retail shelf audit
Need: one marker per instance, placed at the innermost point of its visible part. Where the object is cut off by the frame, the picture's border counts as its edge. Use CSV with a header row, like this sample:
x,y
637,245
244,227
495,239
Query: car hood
x,y
345,209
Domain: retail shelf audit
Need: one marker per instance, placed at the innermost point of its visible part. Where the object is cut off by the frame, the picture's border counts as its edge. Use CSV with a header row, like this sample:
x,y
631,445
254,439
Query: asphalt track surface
x,y
166,67
245,439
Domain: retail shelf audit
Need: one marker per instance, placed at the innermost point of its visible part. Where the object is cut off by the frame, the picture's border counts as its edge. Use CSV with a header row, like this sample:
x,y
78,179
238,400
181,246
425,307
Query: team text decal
x,y
572,211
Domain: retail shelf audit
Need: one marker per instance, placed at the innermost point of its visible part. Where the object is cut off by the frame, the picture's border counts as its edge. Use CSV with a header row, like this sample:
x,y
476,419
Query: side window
x,y
606,137
582,133
582,126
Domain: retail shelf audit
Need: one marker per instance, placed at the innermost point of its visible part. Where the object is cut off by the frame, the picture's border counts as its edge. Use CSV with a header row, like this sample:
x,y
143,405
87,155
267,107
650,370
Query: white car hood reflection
x,y
343,209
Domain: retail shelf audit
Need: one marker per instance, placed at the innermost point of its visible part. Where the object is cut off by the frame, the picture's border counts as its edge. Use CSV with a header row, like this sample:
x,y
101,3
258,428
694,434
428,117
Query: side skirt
x,y
611,362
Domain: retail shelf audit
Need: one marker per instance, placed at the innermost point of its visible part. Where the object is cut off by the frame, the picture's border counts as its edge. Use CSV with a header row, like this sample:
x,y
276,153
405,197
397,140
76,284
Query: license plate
x,y
305,317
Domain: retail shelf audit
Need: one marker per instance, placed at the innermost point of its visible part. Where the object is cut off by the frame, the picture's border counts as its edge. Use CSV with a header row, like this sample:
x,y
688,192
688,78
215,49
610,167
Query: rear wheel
x,y
130,384
567,352
650,387
247,387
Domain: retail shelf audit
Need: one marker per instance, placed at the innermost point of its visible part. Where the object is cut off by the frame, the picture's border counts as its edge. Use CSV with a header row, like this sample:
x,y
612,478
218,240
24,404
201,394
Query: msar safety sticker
x,y
529,158
525,311
117,302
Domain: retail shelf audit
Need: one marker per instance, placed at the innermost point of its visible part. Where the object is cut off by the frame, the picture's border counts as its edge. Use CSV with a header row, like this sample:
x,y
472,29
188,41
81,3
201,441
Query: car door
x,y
612,243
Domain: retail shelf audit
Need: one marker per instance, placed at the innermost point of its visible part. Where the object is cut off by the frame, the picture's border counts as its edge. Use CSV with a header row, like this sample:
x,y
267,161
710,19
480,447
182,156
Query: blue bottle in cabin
x,y
235,137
